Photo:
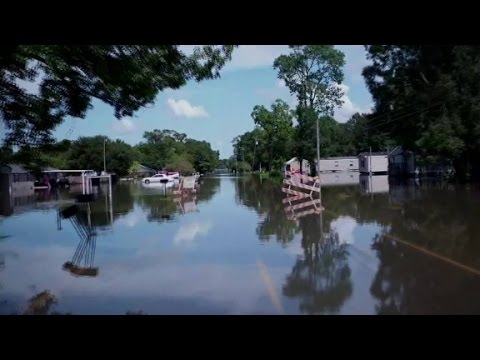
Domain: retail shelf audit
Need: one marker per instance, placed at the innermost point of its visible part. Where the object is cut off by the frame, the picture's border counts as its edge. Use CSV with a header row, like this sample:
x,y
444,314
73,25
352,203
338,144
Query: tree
x,y
277,126
426,98
87,153
134,168
127,77
181,164
313,74
204,159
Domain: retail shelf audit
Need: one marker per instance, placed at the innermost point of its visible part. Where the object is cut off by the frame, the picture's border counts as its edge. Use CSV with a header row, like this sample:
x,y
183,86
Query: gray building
x,y
15,179
144,171
401,162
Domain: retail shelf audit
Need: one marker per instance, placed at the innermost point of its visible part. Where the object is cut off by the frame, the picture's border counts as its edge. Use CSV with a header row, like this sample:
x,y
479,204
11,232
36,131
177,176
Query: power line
x,y
394,111
403,116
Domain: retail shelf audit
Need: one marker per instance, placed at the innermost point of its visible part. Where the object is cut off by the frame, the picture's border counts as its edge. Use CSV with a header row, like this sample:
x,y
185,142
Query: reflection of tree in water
x,y
265,197
164,208
321,277
207,188
161,209
410,281
41,304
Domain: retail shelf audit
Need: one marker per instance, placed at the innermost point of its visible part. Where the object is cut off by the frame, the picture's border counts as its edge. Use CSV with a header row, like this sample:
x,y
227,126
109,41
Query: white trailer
x,y
340,178
376,163
339,164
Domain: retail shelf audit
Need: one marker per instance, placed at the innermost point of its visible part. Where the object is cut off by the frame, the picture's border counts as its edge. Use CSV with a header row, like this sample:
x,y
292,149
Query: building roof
x,y
291,160
340,158
378,153
146,168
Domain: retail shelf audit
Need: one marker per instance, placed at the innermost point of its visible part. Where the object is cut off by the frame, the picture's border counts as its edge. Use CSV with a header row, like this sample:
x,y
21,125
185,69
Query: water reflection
x,y
411,249
82,263
321,277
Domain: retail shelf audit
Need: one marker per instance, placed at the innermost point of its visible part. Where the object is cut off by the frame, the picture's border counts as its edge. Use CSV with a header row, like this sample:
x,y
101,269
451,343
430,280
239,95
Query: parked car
x,y
157,178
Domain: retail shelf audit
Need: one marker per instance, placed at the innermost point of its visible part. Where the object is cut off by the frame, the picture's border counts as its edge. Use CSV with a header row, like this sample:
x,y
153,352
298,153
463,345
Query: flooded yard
x,y
234,248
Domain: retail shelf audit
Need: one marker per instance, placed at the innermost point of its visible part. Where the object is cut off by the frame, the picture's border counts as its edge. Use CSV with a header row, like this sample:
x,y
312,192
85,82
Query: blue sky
x,y
218,110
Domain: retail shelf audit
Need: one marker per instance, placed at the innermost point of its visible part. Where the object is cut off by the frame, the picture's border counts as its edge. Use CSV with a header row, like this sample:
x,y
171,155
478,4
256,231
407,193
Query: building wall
x,y
24,188
379,163
340,178
374,184
347,164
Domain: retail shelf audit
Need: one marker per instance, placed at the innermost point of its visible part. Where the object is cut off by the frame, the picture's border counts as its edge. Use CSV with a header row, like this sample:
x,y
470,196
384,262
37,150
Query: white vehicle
x,y
158,178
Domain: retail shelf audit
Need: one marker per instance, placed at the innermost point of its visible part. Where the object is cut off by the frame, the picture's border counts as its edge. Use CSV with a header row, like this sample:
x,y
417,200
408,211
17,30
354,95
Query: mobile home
x,y
374,184
348,163
376,162
340,178
401,162
293,166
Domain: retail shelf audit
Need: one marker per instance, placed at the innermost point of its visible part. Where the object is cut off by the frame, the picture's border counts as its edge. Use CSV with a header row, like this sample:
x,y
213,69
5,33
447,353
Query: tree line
x,y
160,149
313,74
425,99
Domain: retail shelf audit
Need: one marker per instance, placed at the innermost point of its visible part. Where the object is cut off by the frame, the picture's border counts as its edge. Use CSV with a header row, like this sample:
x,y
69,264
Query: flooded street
x,y
376,248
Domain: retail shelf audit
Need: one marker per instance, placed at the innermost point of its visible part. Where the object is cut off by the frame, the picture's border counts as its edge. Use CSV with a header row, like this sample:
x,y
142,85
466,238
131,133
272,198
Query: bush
x,y
276,174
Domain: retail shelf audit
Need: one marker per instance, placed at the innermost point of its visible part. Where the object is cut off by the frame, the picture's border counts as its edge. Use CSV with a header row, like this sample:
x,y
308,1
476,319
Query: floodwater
x,y
376,248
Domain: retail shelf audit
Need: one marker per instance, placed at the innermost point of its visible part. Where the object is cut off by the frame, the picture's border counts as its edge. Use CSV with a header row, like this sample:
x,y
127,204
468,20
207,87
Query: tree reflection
x,y
438,223
321,277
164,208
207,187
265,197
41,303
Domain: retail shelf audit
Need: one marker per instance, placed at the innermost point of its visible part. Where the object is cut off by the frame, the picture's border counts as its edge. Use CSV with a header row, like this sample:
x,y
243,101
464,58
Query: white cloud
x,y
348,108
281,83
252,56
344,226
123,126
248,56
183,108
129,220
188,233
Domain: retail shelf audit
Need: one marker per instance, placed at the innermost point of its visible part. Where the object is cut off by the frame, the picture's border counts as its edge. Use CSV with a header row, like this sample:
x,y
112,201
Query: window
x,y
336,163
351,163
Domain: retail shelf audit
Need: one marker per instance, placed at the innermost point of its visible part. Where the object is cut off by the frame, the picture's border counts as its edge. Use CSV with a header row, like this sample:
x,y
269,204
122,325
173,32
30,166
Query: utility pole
x,y
104,159
370,166
236,160
318,161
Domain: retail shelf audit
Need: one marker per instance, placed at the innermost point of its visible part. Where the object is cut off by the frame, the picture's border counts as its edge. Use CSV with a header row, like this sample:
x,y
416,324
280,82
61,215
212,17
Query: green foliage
x,y
87,153
276,131
181,164
134,168
313,73
126,77
276,174
426,98
204,159
168,148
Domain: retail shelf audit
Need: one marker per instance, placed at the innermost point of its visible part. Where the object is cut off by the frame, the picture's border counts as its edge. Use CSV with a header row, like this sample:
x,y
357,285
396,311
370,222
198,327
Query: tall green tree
x,y
277,126
87,153
427,98
69,77
313,74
